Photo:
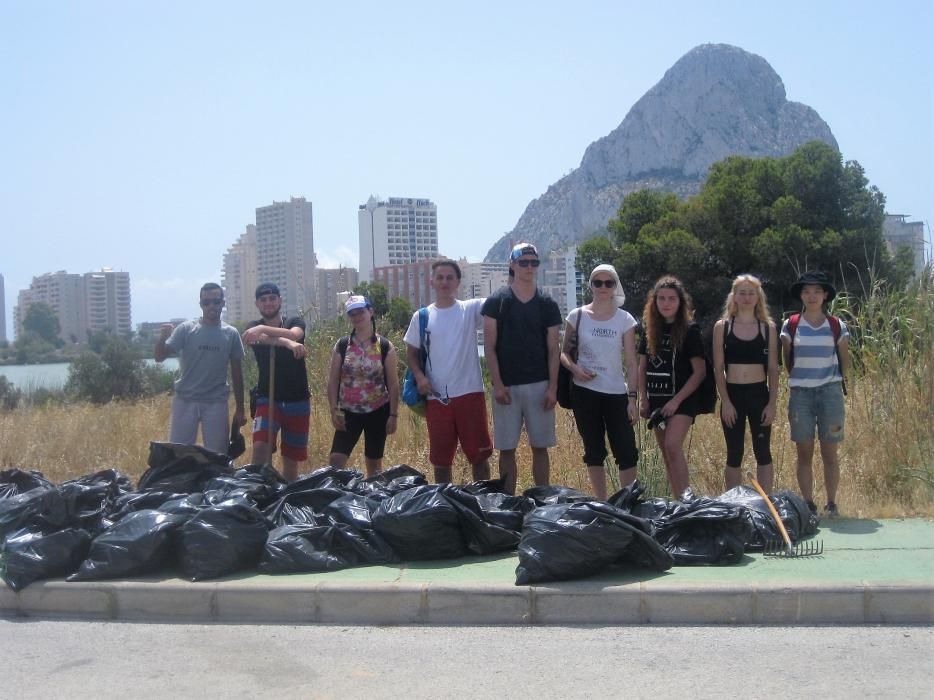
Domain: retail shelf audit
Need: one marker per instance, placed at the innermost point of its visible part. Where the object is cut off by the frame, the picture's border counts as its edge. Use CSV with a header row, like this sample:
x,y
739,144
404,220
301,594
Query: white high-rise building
x,y
238,278
94,301
285,252
899,232
396,231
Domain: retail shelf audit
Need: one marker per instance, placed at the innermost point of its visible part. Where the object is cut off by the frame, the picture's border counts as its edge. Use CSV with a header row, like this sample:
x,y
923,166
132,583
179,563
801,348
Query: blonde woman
x,y
604,395
745,361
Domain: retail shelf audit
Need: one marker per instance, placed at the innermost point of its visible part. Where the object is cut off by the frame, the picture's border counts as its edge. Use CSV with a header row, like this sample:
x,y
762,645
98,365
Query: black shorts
x,y
688,407
373,427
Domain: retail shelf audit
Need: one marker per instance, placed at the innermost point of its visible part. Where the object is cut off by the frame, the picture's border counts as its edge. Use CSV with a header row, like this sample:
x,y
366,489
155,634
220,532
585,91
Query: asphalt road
x,y
45,659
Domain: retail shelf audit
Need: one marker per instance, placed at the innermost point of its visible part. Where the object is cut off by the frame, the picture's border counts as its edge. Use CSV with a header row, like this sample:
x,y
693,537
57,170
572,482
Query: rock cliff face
x,y
716,101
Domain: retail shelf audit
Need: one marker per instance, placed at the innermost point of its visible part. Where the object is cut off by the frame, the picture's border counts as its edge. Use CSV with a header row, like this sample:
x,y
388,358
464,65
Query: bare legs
x,y
671,441
541,468
828,453
262,454
765,475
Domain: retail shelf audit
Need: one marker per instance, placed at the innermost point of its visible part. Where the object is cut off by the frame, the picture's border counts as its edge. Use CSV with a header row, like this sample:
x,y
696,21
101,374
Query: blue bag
x,y
410,395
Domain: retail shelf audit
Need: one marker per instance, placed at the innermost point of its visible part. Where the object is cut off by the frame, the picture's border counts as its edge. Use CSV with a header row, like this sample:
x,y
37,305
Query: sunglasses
x,y
212,302
609,284
443,400
528,263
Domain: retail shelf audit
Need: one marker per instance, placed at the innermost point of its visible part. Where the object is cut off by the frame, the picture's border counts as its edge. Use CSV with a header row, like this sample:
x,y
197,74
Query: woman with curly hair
x,y
671,370
745,362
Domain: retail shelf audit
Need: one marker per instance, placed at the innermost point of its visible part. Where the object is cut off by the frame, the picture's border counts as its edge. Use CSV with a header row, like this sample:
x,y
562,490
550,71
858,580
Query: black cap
x,y
267,288
814,277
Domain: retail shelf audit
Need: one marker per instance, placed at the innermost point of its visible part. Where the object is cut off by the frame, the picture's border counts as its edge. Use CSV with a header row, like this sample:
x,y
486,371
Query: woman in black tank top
x,y
745,360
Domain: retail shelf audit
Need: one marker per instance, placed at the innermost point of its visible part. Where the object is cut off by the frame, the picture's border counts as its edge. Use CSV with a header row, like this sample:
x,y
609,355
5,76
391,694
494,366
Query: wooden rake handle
x,y
775,515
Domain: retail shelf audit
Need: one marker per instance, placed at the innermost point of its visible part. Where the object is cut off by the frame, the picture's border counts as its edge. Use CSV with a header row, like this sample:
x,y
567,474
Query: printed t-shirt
x,y
600,349
663,379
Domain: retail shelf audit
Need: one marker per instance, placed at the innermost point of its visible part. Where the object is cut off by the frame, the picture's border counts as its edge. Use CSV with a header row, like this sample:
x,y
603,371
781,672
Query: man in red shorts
x,y
292,398
456,407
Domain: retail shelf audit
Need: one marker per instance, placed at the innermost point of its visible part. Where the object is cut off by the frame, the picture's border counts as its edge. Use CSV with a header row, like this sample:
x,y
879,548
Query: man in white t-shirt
x,y
456,406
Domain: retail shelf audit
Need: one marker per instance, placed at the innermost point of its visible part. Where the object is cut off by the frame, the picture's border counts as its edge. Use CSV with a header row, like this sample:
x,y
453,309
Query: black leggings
x,y
749,400
600,416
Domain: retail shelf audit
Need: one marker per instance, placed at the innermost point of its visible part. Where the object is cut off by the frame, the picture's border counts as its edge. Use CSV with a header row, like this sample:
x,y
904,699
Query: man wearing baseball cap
x,y
520,331
291,413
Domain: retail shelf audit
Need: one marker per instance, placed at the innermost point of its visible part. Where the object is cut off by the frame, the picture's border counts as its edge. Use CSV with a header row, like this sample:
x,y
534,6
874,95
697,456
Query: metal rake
x,y
779,548
783,547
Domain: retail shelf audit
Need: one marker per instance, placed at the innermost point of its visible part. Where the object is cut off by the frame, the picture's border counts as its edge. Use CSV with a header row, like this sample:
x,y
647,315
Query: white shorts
x,y
528,406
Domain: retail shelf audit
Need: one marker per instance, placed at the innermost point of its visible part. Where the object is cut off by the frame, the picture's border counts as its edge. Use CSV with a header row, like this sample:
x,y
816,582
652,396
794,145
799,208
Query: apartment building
x,y
396,231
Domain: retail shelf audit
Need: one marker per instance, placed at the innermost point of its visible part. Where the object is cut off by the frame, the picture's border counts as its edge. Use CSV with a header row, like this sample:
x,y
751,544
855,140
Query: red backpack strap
x,y
793,322
837,331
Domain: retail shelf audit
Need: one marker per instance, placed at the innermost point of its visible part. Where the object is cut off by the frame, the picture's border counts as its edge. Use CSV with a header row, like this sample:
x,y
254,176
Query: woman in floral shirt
x,y
363,389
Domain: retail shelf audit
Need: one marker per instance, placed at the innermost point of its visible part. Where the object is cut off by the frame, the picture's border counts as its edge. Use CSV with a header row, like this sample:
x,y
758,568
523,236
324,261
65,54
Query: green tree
x,y
40,318
377,294
771,217
116,373
400,313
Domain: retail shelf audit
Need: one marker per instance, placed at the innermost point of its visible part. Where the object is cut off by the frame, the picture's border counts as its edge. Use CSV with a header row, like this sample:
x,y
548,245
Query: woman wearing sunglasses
x,y
604,375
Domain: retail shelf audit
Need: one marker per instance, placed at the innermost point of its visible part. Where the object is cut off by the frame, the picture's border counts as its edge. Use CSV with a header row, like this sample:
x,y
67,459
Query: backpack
x,y
835,330
410,395
707,391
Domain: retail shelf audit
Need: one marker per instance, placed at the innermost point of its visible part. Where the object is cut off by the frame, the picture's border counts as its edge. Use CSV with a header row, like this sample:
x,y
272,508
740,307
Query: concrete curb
x,y
569,603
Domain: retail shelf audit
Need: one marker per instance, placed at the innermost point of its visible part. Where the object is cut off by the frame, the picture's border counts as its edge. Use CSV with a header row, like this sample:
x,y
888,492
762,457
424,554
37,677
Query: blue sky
x,y
141,136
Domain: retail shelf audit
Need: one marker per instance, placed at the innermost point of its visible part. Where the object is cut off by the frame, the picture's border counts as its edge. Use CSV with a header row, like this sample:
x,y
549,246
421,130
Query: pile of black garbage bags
x,y
195,515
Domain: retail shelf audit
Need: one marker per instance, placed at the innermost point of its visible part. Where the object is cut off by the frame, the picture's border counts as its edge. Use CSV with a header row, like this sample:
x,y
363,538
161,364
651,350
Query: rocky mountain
x,y
716,101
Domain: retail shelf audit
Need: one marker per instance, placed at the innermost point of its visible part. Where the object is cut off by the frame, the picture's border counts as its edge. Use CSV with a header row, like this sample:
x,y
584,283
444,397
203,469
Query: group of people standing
x,y
615,380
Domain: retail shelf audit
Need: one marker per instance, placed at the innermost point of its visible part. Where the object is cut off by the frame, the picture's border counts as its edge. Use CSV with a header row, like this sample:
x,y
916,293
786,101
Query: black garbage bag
x,y
39,509
550,495
91,499
323,478
505,510
16,481
389,481
357,510
27,556
268,473
760,525
221,540
140,543
182,468
312,548
190,505
303,507
420,524
486,486
141,500
574,540
487,526
703,531
250,486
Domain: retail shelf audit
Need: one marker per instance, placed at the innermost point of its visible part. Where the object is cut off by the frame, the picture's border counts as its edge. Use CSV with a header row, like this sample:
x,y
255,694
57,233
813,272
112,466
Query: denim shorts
x,y
819,405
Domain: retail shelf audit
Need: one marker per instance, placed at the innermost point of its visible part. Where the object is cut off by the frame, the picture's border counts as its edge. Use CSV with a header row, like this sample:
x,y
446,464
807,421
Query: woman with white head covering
x,y
604,396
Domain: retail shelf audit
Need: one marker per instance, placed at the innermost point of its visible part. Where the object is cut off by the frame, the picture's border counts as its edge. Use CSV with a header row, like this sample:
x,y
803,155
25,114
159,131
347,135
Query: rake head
x,y
777,548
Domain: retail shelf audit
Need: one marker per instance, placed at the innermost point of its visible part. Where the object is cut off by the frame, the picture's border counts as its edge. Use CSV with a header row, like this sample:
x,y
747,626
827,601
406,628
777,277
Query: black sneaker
x,y
812,506
830,510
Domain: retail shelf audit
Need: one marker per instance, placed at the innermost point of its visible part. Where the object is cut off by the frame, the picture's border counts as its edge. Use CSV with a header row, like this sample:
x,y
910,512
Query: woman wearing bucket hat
x,y
604,393
815,349
363,389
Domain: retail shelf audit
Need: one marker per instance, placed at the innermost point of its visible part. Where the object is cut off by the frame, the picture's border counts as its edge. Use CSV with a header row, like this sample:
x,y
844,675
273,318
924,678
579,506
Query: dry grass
x,y
887,458
64,442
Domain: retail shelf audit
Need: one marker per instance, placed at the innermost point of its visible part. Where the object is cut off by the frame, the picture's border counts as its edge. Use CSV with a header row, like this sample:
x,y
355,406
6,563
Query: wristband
x,y
633,394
